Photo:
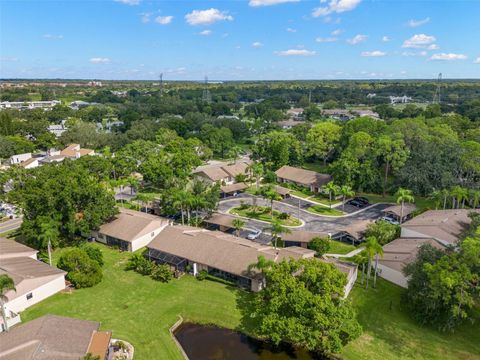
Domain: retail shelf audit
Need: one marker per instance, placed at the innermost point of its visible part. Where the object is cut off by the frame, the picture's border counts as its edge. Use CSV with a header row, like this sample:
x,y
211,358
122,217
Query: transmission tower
x,y
161,84
437,97
206,96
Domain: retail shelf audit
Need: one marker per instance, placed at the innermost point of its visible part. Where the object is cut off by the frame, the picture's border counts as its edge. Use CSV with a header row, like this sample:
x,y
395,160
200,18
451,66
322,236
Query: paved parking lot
x,y
313,222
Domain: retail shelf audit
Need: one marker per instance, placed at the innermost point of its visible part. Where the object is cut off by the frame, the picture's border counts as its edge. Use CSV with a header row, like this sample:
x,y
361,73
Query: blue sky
x,y
239,40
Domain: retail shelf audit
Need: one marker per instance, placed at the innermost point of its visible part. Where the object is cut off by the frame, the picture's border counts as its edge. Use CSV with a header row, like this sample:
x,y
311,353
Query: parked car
x,y
390,219
254,234
355,203
362,200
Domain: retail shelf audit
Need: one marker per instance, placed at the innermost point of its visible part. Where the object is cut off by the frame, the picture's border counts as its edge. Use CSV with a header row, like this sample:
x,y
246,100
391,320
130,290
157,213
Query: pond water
x,y
212,343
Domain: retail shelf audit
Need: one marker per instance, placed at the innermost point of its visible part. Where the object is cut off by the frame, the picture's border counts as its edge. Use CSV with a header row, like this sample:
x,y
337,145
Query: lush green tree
x,y
162,273
345,191
238,225
402,196
383,231
322,139
392,154
82,271
6,284
220,140
278,149
270,194
372,249
332,190
94,253
277,229
309,296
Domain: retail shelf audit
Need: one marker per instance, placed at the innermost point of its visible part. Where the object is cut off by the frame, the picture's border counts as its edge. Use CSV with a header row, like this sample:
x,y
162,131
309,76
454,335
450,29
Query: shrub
x,y
283,216
243,205
81,270
320,245
269,177
140,264
94,253
202,275
162,273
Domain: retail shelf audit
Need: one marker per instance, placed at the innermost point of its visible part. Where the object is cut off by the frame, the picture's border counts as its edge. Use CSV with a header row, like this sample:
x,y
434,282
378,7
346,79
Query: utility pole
x,y
437,96
49,247
161,84
206,96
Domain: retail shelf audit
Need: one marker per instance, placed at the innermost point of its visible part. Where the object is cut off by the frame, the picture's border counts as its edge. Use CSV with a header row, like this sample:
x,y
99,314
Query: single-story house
x,y
353,233
13,249
74,151
396,211
55,337
226,256
19,158
222,255
296,114
34,281
301,238
130,230
233,189
399,253
221,222
307,178
288,124
338,114
445,226
224,174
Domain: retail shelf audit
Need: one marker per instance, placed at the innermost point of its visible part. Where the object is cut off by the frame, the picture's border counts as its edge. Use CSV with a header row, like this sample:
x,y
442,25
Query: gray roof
x,y
49,337
233,187
221,219
10,248
443,225
397,209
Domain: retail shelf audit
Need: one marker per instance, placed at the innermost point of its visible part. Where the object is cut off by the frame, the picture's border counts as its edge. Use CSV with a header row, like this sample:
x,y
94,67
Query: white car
x,y
390,220
254,234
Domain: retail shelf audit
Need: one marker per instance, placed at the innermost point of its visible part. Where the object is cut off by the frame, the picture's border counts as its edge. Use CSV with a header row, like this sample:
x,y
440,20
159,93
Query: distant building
x,y
223,174
307,178
288,124
400,99
296,114
19,158
74,151
30,105
78,104
58,129
338,114
95,83
368,113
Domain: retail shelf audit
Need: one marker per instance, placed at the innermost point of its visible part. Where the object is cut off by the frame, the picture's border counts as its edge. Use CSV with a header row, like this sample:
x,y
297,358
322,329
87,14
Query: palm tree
x,y
346,191
271,195
332,190
6,284
361,259
459,195
372,248
474,198
403,195
276,229
257,171
49,234
144,198
262,264
238,225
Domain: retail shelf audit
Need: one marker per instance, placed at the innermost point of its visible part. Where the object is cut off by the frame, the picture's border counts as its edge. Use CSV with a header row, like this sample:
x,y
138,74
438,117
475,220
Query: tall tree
x,y
6,284
403,195
276,228
372,249
322,139
393,154
332,190
345,191
238,225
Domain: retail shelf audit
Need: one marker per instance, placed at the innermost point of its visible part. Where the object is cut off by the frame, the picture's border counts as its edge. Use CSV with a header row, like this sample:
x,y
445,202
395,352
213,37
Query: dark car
x,y
355,203
361,199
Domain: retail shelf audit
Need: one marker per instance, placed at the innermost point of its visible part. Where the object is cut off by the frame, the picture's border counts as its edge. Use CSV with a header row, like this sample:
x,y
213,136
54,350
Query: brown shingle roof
x,y
233,187
443,225
403,251
281,190
49,337
302,176
129,225
213,173
11,248
397,209
220,219
358,228
236,169
219,250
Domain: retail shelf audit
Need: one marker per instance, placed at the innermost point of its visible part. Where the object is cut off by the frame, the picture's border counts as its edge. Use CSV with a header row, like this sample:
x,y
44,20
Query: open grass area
x,y
338,247
421,202
322,210
141,310
263,213
316,166
388,332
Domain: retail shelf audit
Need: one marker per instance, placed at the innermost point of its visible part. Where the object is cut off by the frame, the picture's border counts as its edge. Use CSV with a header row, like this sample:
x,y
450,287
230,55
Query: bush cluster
x,y
142,265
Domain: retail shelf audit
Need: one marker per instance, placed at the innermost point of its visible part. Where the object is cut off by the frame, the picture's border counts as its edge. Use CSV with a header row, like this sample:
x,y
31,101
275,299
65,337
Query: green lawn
x,y
317,166
322,210
263,213
141,311
338,247
421,202
390,334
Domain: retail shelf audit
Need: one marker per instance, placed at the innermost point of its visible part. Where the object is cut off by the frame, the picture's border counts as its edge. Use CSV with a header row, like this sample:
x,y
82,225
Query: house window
x,y
29,296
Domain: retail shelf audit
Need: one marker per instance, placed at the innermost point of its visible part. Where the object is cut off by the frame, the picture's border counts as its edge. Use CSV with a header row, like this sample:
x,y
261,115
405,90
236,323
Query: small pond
x,y
211,343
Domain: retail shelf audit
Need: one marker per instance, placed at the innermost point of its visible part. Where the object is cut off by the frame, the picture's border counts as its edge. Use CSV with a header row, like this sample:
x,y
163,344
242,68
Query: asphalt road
x,y
312,222
10,225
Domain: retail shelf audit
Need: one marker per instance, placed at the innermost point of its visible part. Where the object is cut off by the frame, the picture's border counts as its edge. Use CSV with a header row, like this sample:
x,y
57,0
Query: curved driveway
x,y
313,222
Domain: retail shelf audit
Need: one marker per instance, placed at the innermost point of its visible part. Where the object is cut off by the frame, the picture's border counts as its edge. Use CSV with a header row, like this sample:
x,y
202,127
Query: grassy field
x,y
258,213
141,310
421,202
338,247
321,210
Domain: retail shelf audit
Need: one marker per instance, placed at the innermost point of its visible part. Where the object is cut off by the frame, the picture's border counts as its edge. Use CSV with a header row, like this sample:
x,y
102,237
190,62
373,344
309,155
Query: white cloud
x,y
256,3
295,52
326,40
8,59
291,30
129,2
145,17
164,20
205,32
206,17
52,37
448,57
413,53
416,23
386,39
336,32
357,39
335,6
420,41
477,60
100,60
257,44
376,53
